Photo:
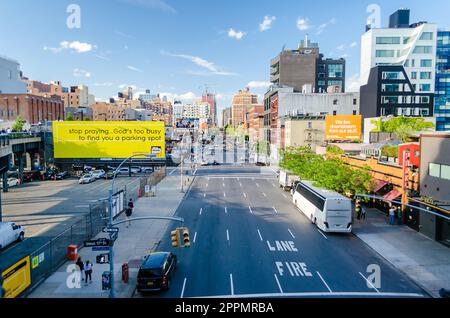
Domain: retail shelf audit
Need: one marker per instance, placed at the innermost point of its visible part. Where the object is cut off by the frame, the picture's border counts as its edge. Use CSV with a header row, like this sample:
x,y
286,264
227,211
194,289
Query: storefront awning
x,y
394,194
379,185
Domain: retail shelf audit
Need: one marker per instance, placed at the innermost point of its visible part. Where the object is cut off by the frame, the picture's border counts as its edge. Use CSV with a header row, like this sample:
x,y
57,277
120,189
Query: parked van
x,y
10,233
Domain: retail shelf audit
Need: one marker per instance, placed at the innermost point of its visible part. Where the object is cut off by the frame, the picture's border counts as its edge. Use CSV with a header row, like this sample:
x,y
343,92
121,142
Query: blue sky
x,y
176,47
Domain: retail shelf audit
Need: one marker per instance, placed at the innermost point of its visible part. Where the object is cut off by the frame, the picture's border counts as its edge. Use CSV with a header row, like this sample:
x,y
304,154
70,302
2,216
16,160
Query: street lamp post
x,y
110,223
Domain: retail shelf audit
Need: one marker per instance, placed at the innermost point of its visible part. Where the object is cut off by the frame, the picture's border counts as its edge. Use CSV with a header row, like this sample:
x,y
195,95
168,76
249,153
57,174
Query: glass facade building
x,y
442,89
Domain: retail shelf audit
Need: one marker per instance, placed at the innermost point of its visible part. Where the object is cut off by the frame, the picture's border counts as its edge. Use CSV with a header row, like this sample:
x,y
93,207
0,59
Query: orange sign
x,y
343,128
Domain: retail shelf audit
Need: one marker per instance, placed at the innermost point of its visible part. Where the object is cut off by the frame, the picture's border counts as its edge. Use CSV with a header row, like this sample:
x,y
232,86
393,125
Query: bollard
x,y
125,273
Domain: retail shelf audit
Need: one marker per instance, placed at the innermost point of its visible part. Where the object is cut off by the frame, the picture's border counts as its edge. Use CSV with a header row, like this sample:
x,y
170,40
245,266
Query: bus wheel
x,y
315,221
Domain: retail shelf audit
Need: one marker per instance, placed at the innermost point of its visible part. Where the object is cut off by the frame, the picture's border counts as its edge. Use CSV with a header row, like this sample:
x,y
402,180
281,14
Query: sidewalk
x,y
133,243
425,261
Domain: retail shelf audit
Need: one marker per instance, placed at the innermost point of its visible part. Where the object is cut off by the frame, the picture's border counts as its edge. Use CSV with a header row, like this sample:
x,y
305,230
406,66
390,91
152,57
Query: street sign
x,y
99,242
100,249
110,230
102,259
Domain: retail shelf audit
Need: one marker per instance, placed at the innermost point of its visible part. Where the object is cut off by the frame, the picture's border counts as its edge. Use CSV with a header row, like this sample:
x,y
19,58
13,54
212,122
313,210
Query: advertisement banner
x,y
17,278
116,140
343,128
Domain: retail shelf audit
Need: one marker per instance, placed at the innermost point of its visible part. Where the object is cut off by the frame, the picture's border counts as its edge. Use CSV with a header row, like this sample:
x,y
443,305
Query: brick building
x,y
34,109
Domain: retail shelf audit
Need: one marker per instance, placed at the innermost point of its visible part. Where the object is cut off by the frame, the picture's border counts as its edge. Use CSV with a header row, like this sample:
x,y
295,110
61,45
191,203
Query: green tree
x,y
389,151
69,117
18,124
332,174
403,126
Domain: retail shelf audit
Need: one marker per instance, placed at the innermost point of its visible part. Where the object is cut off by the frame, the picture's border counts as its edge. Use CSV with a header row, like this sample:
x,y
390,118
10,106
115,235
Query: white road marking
x,y
260,236
278,283
321,294
81,206
195,172
231,283
250,208
223,184
322,234
184,286
291,233
195,236
204,195
284,195
245,195
240,184
201,211
226,210
171,172
228,236
368,282
257,185
275,210
273,185
264,195
325,283
224,195
207,184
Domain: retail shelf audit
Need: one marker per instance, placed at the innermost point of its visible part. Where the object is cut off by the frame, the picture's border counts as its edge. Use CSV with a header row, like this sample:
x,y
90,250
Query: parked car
x,y
136,169
12,182
10,233
62,175
204,163
109,175
87,178
30,176
122,171
215,163
156,272
147,169
98,173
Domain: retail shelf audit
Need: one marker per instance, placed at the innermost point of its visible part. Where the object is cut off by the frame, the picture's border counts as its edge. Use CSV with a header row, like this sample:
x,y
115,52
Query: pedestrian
x,y
88,272
80,265
399,215
358,210
129,212
363,212
392,215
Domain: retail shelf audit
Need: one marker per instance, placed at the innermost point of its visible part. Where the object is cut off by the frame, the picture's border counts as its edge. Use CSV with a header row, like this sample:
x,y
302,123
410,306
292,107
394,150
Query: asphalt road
x,y
248,240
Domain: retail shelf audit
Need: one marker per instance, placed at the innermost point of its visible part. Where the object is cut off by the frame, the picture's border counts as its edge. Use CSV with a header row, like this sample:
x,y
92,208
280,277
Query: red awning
x,y
379,185
394,194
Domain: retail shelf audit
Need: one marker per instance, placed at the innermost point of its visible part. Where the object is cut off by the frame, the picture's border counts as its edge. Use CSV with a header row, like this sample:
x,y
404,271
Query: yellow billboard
x,y
343,128
17,278
108,140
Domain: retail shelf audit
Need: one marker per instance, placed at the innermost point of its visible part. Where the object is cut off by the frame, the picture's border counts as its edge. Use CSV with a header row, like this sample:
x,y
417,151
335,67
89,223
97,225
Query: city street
x,y
247,239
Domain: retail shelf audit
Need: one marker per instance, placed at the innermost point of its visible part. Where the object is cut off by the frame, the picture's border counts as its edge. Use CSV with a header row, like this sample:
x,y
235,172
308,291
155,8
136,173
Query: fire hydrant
x,y
125,273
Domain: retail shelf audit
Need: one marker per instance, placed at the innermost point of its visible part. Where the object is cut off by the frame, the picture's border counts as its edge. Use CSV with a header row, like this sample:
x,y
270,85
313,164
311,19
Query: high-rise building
x,y
211,100
226,117
11,77
442,89
240,104
412,46
147,96
307,66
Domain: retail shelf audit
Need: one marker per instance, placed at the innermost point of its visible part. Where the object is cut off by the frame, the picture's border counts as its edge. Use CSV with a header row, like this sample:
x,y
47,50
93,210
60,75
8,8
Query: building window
x,y
426,63
445,172
335,83
425,75
413,75
354,113
427,36
434,170
425,87
335,70
335,102
420,49
385,53
334,112
388,40
355,101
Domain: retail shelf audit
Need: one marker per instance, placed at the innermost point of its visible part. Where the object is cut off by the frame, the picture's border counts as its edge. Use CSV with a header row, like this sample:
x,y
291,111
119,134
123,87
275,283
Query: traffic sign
x,y
110,230
98,242
100,248
102,259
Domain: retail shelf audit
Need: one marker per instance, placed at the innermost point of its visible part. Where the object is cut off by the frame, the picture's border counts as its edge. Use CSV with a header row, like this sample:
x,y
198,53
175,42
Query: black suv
x,y
156,272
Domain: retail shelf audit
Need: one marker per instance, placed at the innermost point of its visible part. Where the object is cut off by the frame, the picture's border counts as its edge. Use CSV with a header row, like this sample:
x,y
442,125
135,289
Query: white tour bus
x,y
328,210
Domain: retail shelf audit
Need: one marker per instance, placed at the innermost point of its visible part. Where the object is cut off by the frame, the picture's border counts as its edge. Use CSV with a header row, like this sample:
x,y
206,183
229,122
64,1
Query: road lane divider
x,y
184,286
201,211
264,195
324,282
292,234
260,236
250,209
228,236
231,284
245,195
278,283
276,211
322,234
195,237
369,283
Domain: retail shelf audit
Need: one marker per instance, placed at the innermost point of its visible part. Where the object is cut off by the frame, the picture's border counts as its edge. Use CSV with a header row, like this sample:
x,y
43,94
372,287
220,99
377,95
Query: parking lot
x,y
47,207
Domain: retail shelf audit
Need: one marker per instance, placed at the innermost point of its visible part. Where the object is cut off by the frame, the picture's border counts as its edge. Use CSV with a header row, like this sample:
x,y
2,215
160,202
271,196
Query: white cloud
x,y
303,24
151,4
353,44
210,66
102,57
258,84
125,35
187,97
323,26
135,69
353,83
341,47
267,23
77,72
238,35
75,46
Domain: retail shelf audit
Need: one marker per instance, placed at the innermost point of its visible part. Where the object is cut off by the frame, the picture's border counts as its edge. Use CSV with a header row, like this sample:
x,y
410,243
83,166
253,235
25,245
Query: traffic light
x,y
186,238
175,235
